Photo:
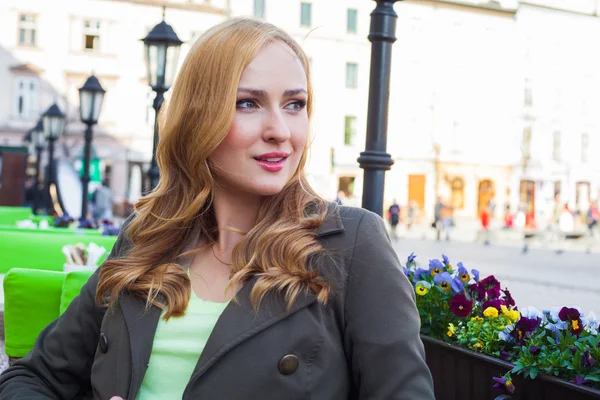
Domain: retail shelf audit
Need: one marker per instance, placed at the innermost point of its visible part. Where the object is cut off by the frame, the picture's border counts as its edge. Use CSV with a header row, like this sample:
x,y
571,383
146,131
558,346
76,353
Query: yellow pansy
x,y
478,345
490,312
477,319
513,315
422,288
451,329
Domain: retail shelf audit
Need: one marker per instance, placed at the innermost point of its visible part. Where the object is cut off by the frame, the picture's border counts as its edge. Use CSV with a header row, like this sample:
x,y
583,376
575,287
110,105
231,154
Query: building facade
x,y
490,102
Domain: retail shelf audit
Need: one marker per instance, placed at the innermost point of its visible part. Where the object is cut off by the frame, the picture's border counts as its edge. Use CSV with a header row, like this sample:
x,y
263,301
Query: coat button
x,y
103,342
288,364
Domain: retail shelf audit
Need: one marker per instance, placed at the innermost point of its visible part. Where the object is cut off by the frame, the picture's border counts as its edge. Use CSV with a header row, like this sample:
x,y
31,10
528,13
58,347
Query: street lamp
x,y
54,123
375,160
91,95
38,139
161,48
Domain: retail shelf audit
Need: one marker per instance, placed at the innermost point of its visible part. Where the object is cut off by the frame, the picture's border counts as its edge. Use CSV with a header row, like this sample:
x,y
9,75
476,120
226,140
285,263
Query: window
x,y
458,193
259,9
91,35
585,145
350,131
27,30
26,100
556,146
526,147
305,14
351,75
352,20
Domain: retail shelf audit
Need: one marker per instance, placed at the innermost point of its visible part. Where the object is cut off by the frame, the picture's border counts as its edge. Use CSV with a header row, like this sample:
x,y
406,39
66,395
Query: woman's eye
x,y
297,105
246,104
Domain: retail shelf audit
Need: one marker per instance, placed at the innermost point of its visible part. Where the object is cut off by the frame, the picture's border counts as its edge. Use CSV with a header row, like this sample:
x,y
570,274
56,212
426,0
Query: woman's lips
x,y
272,164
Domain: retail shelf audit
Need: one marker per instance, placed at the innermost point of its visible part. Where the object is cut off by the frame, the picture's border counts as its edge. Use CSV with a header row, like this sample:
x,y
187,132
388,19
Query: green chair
x,y
32,300
10,215
37,250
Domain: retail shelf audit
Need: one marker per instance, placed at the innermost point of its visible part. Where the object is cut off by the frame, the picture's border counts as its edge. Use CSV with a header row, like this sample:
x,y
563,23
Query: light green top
x,y
176,349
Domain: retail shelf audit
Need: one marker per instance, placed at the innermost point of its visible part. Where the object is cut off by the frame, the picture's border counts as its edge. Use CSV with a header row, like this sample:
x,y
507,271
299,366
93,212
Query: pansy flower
x,y
587,361
497,304
523,328
504,385
463,274
420,274
411,260
457,285
435,267
475,274
461,306
444,281
446,262
573,317
422,288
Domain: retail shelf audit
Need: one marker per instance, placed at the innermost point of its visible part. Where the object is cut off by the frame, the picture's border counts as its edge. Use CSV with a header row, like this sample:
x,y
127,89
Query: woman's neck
x,y
236,215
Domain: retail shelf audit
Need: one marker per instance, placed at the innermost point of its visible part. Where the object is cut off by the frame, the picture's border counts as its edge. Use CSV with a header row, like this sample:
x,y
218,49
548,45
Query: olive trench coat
x,y
363,344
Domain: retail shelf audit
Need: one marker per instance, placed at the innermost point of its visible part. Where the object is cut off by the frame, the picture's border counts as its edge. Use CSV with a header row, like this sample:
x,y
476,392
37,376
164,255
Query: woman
x,y
233,279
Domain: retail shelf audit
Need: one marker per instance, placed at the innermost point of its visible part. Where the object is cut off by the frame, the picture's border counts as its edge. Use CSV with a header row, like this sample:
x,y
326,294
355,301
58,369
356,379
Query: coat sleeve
x,y
59,365
382,321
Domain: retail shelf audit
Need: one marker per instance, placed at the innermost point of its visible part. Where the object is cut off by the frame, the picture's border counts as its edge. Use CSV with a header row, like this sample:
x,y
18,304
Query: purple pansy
x,y
523,328
461,306
504,385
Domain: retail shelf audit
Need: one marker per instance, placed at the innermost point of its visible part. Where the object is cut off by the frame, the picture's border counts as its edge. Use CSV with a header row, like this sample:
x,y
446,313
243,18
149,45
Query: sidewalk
x,y
469,231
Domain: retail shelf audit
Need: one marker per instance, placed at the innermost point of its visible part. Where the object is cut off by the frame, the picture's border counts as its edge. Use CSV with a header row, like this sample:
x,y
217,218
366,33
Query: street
x,y
540,278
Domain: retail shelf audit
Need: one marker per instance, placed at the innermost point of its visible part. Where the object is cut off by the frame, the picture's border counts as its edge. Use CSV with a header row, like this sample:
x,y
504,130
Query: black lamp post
x,y
375,160
54,123
38,139
161,47
91,95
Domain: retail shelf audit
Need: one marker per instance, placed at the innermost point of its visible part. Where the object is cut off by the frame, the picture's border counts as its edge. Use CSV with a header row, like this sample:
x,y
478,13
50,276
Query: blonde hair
x,y
197,118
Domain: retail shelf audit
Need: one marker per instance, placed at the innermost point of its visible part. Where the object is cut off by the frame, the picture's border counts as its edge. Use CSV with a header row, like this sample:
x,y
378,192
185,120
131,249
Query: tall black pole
x,y
375,160
154,173
48,179
85,179
37,191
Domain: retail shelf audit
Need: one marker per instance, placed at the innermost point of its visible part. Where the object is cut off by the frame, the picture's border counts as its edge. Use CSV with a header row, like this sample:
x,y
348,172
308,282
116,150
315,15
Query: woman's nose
x,y
276,127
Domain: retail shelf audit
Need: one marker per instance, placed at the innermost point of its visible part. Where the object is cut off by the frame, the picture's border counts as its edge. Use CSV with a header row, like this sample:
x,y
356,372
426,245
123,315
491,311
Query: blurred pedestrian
x,y
394,217
566,225
103,203
485,217
592,217
447,221
410,214
437,217
508,218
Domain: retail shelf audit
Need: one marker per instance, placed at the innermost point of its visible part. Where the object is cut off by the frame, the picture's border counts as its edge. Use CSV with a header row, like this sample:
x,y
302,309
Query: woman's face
x,y
264,145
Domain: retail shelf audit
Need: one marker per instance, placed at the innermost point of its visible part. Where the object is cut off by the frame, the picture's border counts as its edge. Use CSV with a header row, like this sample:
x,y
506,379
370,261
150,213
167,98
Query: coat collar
x,y
237,323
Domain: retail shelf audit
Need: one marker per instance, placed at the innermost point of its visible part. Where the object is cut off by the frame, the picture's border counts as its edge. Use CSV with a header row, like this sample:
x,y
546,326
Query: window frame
x,y
351,83
27,26
355,12
303,5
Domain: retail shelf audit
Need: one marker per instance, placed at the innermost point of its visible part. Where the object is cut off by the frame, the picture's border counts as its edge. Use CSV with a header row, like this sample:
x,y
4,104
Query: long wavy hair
x,y
198,116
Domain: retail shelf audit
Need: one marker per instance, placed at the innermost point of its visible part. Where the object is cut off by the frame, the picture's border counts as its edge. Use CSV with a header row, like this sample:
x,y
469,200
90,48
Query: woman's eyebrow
x,y
262,94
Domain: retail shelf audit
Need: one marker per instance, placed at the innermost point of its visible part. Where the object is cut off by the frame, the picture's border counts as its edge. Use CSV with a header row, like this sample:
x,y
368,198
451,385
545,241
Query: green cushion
x,y
31,301
52,230
38,250
72,286
10,215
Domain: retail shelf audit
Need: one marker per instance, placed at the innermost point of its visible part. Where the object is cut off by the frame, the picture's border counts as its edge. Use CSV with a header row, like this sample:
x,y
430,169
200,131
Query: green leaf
x,y
533,373
593,378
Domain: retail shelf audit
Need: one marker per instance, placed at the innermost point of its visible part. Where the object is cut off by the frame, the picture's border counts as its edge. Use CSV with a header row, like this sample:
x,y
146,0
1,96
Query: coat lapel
x,y
141,326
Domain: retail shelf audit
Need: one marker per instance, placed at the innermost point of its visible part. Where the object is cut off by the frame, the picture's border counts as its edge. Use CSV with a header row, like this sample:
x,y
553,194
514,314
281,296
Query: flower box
x,y
479,342
462,374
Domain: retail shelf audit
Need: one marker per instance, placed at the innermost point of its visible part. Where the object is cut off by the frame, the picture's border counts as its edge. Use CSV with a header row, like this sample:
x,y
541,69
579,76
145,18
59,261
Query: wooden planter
x,y
461,374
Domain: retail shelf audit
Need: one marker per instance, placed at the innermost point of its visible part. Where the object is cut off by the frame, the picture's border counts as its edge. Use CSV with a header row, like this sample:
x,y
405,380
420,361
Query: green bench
x,y
32,300
52,229
40,250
